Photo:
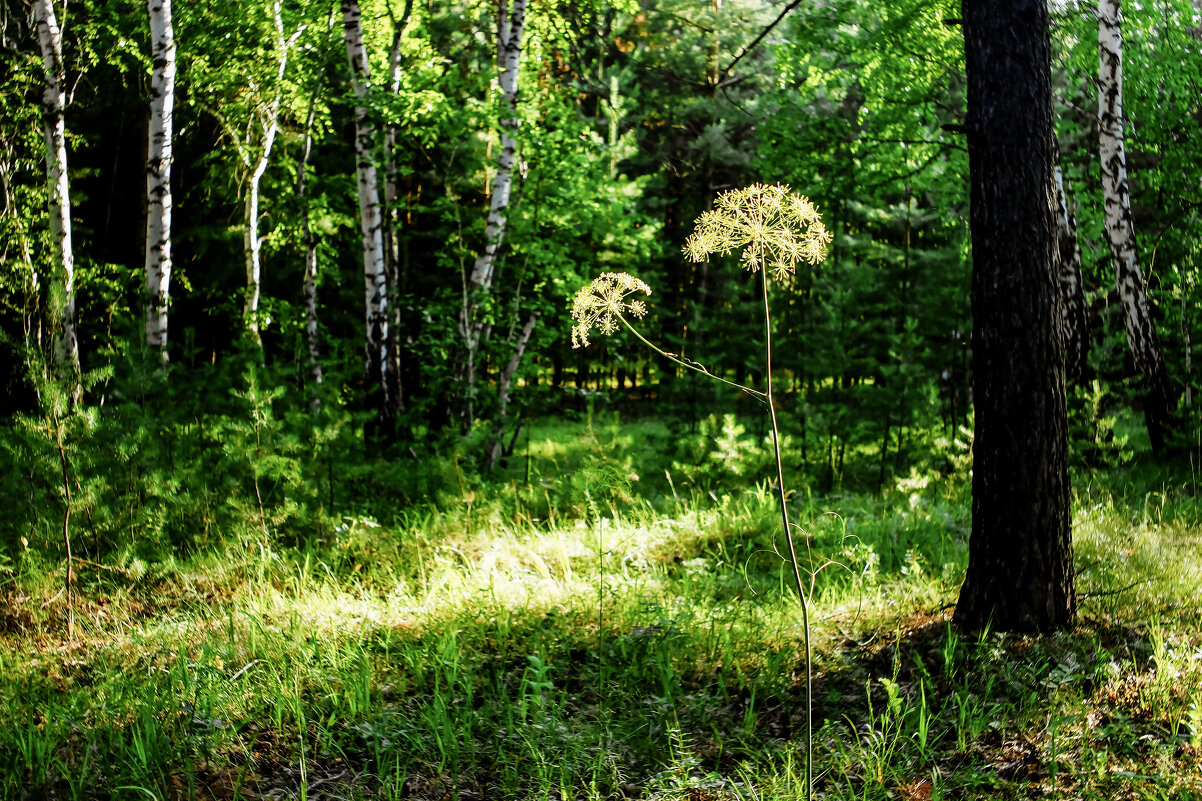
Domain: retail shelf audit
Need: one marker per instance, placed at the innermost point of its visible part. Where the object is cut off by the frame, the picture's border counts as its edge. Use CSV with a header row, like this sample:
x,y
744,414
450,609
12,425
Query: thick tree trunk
x,y
370,224
61,286
474,329
270,124
1074,321
158,175
1020,574
1161,400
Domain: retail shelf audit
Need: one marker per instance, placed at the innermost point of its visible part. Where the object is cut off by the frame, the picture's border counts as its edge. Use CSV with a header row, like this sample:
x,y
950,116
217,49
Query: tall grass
x,y
462,650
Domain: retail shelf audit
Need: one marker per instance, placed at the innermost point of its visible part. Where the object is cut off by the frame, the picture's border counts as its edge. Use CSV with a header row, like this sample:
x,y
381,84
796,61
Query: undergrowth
x,y
609,617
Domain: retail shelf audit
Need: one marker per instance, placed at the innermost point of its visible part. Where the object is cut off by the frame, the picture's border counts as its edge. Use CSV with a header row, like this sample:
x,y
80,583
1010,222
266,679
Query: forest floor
x,y
579,631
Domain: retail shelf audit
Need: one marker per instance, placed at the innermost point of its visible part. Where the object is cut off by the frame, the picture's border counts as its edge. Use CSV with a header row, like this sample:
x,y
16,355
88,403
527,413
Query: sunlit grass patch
x,y
634,647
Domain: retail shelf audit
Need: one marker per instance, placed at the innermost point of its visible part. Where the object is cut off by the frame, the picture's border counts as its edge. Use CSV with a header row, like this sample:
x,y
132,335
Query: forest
x,y
688,400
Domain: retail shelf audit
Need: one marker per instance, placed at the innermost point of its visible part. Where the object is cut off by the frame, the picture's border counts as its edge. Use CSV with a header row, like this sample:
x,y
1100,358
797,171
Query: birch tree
x,y
472,327
310,244
62,283
370,221
158,174
1074,322
268,121
504,383
1120,230
308,239
392,220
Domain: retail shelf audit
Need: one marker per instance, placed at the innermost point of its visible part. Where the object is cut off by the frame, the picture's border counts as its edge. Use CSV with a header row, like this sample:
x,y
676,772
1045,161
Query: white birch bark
x,y
158,174
310,243
62,285
509,55
392,218
1074,323
269,122
1120,230
1189,375
504,383
510,24
370,222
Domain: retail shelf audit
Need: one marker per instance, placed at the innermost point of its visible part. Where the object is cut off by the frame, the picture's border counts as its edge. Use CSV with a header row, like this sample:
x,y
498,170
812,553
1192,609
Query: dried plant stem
x,y
802,595
691,366
775,231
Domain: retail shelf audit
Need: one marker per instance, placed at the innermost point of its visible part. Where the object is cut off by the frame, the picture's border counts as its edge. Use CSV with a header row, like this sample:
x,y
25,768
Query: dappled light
x,y
664,400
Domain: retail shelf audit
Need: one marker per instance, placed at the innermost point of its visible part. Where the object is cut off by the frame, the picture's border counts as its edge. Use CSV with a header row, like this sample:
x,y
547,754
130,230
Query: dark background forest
x,y
631,120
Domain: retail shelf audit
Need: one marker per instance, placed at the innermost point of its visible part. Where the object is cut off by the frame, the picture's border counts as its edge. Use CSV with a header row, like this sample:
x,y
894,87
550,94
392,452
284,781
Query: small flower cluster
x,y
603,302
776,229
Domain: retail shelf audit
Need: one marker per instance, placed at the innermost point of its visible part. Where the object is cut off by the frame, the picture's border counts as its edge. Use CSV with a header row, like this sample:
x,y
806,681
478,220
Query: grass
x,y
605,631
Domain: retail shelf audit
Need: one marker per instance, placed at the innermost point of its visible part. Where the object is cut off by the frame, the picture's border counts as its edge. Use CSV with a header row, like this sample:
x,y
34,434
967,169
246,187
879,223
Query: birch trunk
x,y
370,224
310,243
510,24
1120,230
252,245
62,284
158,175
392,218
1074,323
503,386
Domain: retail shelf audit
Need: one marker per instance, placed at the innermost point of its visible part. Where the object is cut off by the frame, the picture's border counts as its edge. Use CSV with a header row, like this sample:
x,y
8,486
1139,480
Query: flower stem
x,y
784,513
683,363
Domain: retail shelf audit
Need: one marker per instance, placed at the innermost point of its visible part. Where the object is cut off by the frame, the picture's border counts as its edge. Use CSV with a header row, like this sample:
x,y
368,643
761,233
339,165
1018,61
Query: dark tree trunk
x,y
1020,575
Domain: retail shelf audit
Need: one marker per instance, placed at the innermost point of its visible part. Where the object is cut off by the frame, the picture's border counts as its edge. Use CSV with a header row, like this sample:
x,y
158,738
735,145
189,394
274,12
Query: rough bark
x,y
473,329
1074,323
158,174
1161,399
62,280
370,223
1020,575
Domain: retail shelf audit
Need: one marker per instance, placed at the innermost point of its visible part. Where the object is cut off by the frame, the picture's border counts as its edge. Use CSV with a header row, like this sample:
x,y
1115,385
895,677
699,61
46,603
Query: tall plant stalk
x,y
802,595
774,230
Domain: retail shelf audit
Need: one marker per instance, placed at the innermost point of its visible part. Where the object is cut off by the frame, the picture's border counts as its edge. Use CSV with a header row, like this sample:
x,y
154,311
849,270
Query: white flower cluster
x,y
774,227
603,302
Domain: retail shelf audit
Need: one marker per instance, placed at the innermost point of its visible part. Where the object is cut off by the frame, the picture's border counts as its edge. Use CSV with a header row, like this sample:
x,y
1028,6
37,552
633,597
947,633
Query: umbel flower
x,y
775,228
603,302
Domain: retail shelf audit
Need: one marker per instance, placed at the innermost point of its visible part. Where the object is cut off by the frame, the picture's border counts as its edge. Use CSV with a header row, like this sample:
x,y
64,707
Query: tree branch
x,y
755,42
